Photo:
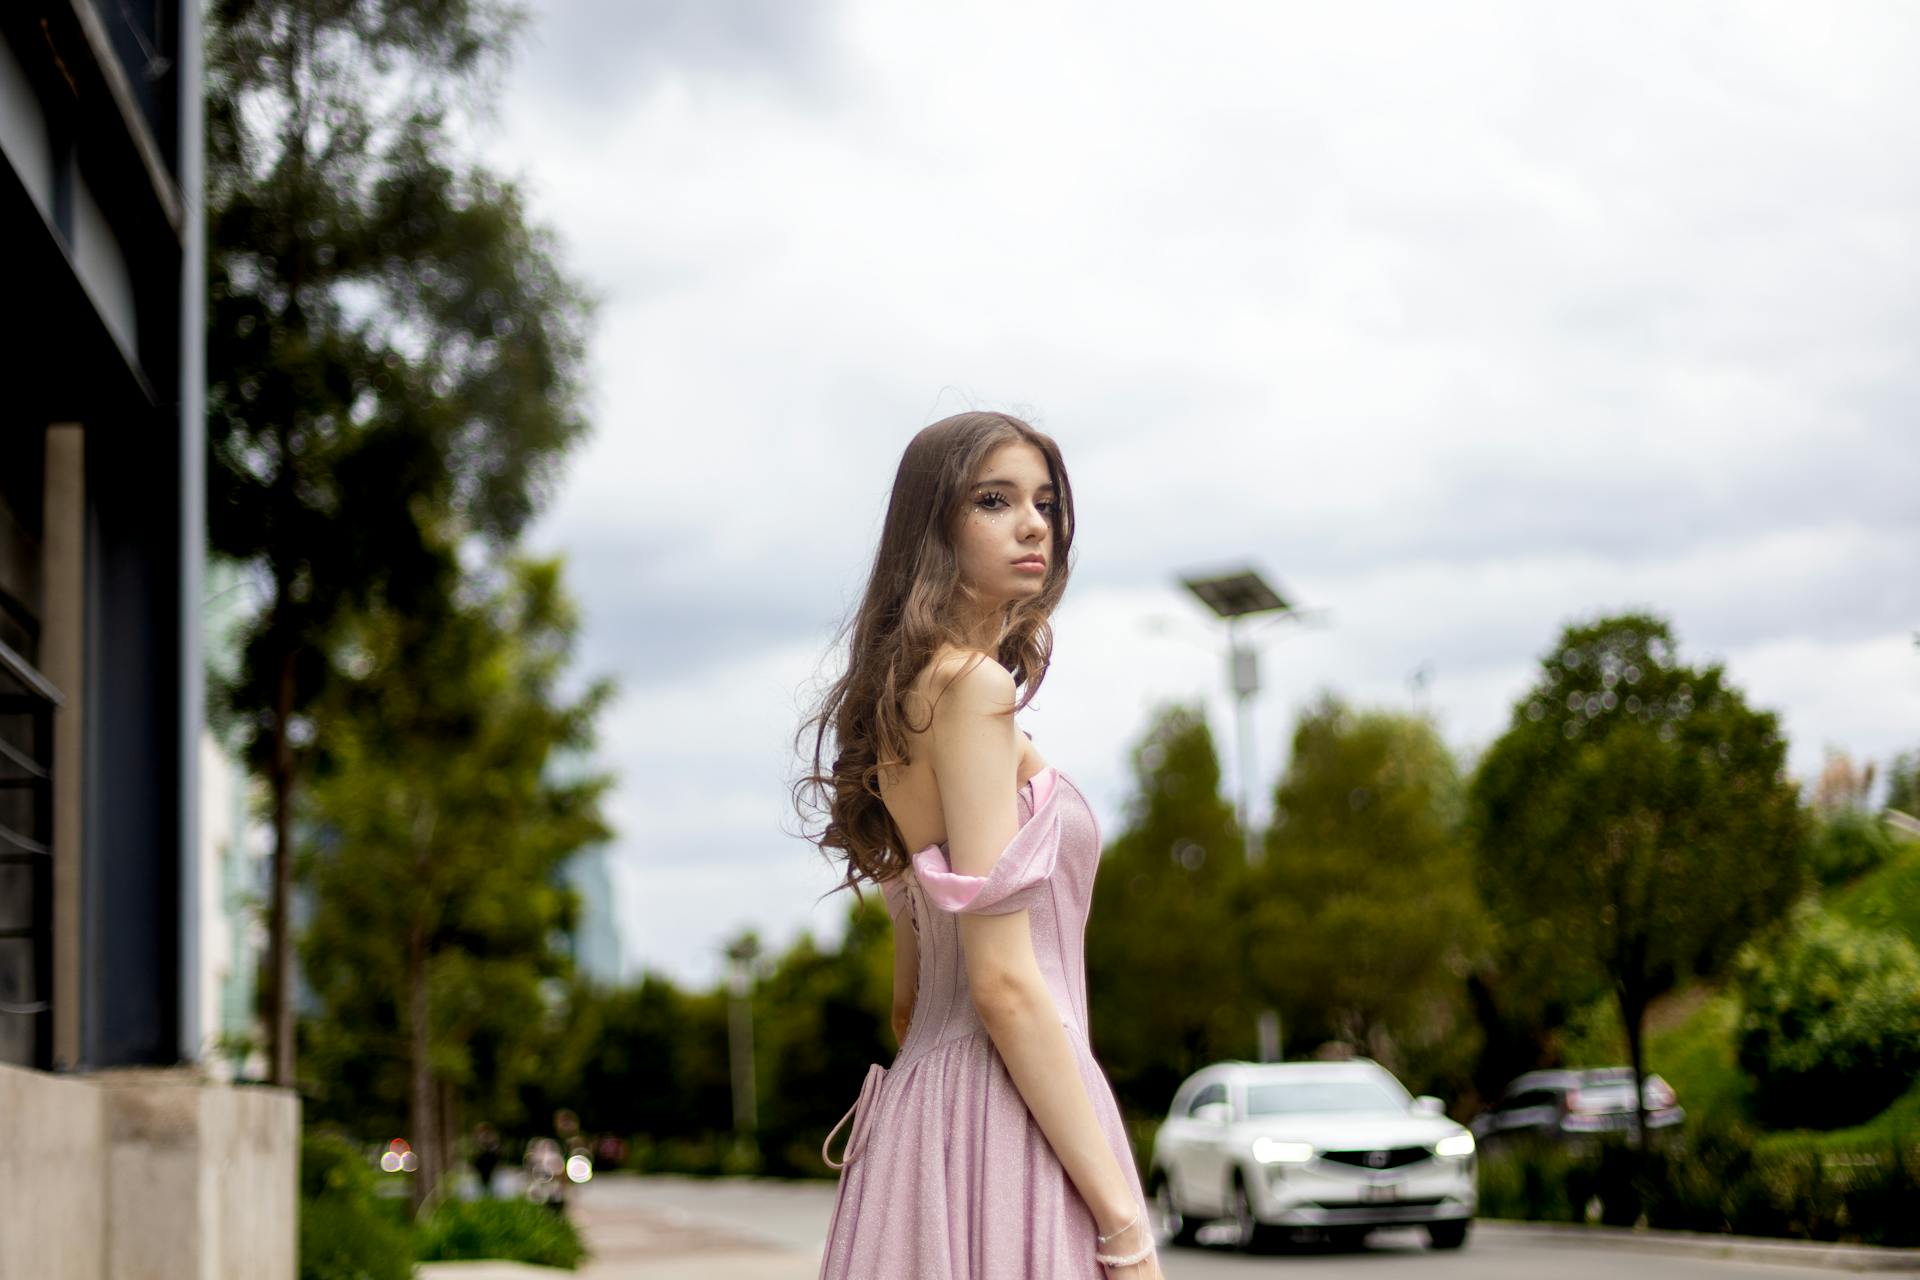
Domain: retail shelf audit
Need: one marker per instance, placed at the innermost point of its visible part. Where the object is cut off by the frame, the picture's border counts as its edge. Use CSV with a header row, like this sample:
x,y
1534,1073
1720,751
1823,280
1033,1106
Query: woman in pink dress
x,y
991,1147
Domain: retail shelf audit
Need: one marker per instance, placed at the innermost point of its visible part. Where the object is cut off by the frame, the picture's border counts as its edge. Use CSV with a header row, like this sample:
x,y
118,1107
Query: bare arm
x,y
975,759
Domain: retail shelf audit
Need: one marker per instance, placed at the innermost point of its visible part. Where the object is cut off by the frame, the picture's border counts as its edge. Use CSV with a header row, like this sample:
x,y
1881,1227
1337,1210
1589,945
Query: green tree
x,y
444,819
1903,784
1164,973
1635,821
1363,916
646,1060
821,1016
1830,1020
393,356
652,1063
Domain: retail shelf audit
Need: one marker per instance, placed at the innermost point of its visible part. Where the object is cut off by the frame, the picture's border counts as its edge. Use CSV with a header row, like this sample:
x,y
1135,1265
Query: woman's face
x,y
1005,541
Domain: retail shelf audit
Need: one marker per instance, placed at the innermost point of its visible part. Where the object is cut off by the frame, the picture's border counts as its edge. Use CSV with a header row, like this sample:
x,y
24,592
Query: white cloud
x,y
1463,320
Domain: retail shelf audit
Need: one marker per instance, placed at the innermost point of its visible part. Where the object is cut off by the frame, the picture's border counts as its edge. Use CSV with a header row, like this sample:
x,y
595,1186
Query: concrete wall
x,y
146,1175
53,1164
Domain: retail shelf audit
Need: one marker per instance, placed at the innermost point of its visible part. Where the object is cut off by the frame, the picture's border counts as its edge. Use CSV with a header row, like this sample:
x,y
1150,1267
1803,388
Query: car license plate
x,y
1380,1193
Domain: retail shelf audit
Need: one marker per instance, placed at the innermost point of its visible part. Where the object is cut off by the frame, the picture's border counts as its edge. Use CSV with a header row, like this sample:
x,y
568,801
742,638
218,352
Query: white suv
x,y
1276,1148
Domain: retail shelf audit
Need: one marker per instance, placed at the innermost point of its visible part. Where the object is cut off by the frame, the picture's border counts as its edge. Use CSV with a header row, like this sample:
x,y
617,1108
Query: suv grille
x,y
1391,1158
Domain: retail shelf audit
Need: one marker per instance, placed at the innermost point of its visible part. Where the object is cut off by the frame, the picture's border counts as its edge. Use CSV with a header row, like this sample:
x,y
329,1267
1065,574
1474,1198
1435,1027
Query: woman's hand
x,y
1135,1238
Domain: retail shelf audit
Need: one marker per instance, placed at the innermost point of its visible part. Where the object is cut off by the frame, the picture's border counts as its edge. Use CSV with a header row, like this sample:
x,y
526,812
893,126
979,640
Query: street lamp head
x,y
1235,595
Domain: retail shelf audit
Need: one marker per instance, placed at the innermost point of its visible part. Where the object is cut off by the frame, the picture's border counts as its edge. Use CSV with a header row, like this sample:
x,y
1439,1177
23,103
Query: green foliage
x,y
1831,1027
651,1062
343,1241
333,1165
348,1231
1530,1181
821,1017
1699,1054
345,1232
1887,897
1716,1177
1902,1117
1591,1037
647,1061
394,357
1635,824
1363,915
443,812
507,1230
1706,1182
1846,845
1164,960
391,347
1903,783
1698,1058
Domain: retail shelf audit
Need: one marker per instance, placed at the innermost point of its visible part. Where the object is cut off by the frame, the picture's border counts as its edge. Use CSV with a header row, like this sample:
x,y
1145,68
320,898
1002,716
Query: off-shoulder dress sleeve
x,y
1019,875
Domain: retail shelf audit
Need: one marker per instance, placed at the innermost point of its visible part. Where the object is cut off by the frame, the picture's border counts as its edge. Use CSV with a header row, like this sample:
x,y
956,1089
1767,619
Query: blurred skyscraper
x,y
598,946
597,941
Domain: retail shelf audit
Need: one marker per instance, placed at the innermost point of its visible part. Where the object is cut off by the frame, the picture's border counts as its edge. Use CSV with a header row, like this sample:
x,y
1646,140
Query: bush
x,y
333,1165
1717,1178
1706,1181
1522,1178
340,1240
1868,1194
346,1231
1830,1029
511,1230
1848,845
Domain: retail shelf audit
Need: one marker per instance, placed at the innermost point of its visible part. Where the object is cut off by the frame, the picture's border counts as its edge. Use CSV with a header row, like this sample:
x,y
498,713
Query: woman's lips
x,y
1031,566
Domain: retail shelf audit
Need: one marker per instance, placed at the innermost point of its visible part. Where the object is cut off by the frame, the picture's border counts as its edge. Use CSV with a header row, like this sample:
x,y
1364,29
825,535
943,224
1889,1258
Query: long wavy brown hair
x,y
914,603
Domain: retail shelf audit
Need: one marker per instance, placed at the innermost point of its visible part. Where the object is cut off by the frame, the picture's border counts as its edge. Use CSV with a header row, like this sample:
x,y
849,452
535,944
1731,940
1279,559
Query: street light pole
x,y
741,953
1243,675
1234,597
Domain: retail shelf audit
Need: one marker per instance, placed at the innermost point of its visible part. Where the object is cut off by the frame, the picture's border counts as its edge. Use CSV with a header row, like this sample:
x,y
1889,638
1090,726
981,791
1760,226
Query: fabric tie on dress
x,y
861,1111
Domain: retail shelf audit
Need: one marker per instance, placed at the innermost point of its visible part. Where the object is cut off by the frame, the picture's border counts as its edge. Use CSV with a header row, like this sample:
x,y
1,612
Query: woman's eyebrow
x,y
1008,484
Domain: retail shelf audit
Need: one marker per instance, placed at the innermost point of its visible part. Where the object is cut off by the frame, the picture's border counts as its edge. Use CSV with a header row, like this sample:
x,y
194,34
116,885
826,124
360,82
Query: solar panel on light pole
x,y
1239,594
1234,596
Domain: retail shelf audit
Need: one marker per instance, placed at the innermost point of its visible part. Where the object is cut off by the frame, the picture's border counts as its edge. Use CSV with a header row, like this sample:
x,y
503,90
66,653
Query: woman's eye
x,y
994,501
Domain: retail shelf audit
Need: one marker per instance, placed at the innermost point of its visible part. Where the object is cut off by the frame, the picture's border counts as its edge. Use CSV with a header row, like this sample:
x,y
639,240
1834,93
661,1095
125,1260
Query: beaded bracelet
x,y
1122,1259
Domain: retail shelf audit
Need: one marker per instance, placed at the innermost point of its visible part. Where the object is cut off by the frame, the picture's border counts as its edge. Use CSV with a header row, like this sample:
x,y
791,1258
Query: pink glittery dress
x,y
947,1176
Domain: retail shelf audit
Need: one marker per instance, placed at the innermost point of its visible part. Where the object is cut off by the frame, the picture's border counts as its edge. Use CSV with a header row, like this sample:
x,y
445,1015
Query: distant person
x,y
546,1171
992,1146
486,1156
610,1152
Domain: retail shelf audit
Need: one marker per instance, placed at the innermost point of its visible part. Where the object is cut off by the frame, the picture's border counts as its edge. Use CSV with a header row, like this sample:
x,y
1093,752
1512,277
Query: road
x,y
743,1229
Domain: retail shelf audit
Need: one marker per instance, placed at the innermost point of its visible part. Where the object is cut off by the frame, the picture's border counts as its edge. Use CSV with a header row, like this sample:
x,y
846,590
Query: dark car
x,y
1576,1104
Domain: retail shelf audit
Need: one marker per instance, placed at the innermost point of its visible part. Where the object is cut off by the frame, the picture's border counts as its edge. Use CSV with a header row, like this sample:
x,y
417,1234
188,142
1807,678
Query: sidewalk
x,y
1698,1244
631,1241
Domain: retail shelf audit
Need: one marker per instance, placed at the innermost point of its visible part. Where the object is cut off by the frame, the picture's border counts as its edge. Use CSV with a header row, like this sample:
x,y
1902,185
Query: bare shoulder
x,y
968,682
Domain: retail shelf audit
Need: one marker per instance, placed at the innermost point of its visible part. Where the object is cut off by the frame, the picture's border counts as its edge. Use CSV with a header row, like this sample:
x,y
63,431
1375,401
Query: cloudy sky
x,y
1459,321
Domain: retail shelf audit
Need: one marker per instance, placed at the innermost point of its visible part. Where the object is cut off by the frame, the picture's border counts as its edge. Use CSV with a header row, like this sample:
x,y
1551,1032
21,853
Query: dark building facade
x,y
101,543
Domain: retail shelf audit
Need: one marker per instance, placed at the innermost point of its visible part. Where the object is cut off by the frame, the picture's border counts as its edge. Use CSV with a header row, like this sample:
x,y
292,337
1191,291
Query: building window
x,y
26,862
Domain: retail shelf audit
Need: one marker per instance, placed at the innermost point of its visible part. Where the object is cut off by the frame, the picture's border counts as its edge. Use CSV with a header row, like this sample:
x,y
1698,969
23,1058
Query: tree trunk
x,y
280,917
1633,1017
447,1108
422,1124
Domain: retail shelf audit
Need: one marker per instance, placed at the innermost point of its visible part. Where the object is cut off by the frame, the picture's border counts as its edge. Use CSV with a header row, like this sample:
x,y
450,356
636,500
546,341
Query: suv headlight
x,y
1454,1146
1272,1151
